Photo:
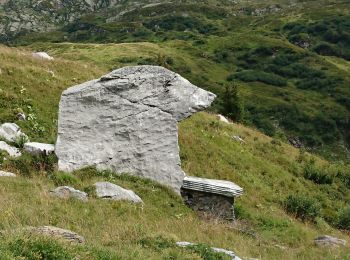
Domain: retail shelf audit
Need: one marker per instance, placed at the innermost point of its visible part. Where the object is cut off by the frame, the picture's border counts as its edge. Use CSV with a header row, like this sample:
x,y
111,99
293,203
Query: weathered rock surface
x,y
66,192
12,151
42,56
39,148
7,174
215,249
107,190
11,132
127,122
58,233
329,241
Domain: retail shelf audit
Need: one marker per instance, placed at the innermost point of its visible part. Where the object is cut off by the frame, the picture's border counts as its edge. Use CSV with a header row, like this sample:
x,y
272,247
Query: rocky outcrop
x,y
57,233
107,190
39,148
66,192
126,122
11,132
329,241
12,151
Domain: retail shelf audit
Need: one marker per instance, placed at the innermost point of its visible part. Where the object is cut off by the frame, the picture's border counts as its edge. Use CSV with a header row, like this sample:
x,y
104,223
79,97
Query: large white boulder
x,y
126,122
11,132
39,148
107,190
12,151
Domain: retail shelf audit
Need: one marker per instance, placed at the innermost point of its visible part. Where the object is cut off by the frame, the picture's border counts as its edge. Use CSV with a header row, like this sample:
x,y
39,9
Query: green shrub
x,y
38,248
28,164
316,174
302,207
268,78
232,104
343,221
62,179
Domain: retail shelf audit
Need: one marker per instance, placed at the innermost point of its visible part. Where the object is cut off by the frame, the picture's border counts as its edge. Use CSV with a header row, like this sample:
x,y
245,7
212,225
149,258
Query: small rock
x,y
42,56
39,148
223,119
12,151
7,174
21,116
215,249
329,241
66,192
11,132
238,139
107,190
57,233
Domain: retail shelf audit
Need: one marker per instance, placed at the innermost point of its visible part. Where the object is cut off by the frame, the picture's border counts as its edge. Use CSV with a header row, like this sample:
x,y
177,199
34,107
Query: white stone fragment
x,y
223,119
66,192
11,132
107,190
7,174
39,148
238,139
12,151
42,56
126,122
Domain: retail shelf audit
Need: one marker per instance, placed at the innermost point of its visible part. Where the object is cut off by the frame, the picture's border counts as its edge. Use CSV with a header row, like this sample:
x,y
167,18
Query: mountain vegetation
x,y
281,70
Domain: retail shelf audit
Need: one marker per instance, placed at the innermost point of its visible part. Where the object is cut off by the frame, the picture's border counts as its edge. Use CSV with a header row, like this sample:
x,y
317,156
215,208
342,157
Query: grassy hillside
x,y
290,59
277,178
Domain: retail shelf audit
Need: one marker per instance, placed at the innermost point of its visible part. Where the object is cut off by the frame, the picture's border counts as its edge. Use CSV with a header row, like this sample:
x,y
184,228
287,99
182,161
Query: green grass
x,y
267,169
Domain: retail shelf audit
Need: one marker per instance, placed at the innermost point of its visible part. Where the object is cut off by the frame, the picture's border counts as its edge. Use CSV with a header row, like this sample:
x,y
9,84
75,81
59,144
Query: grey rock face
x,y
329,241
11,132
39,148
107,190
7,174
127,122
66,192
12,151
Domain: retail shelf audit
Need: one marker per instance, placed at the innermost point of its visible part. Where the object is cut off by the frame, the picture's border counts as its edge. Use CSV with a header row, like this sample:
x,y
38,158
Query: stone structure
x,y
213,197
126,122
107,190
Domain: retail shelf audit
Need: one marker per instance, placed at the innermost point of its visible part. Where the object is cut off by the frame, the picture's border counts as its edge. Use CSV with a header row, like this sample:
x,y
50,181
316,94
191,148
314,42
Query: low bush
x,y
343,221
62,179
268,78
38,248
316,174
302,207
28,164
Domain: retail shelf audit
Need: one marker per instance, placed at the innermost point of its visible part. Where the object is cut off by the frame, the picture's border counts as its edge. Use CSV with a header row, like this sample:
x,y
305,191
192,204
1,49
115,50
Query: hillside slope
x,y
269,170
290,59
